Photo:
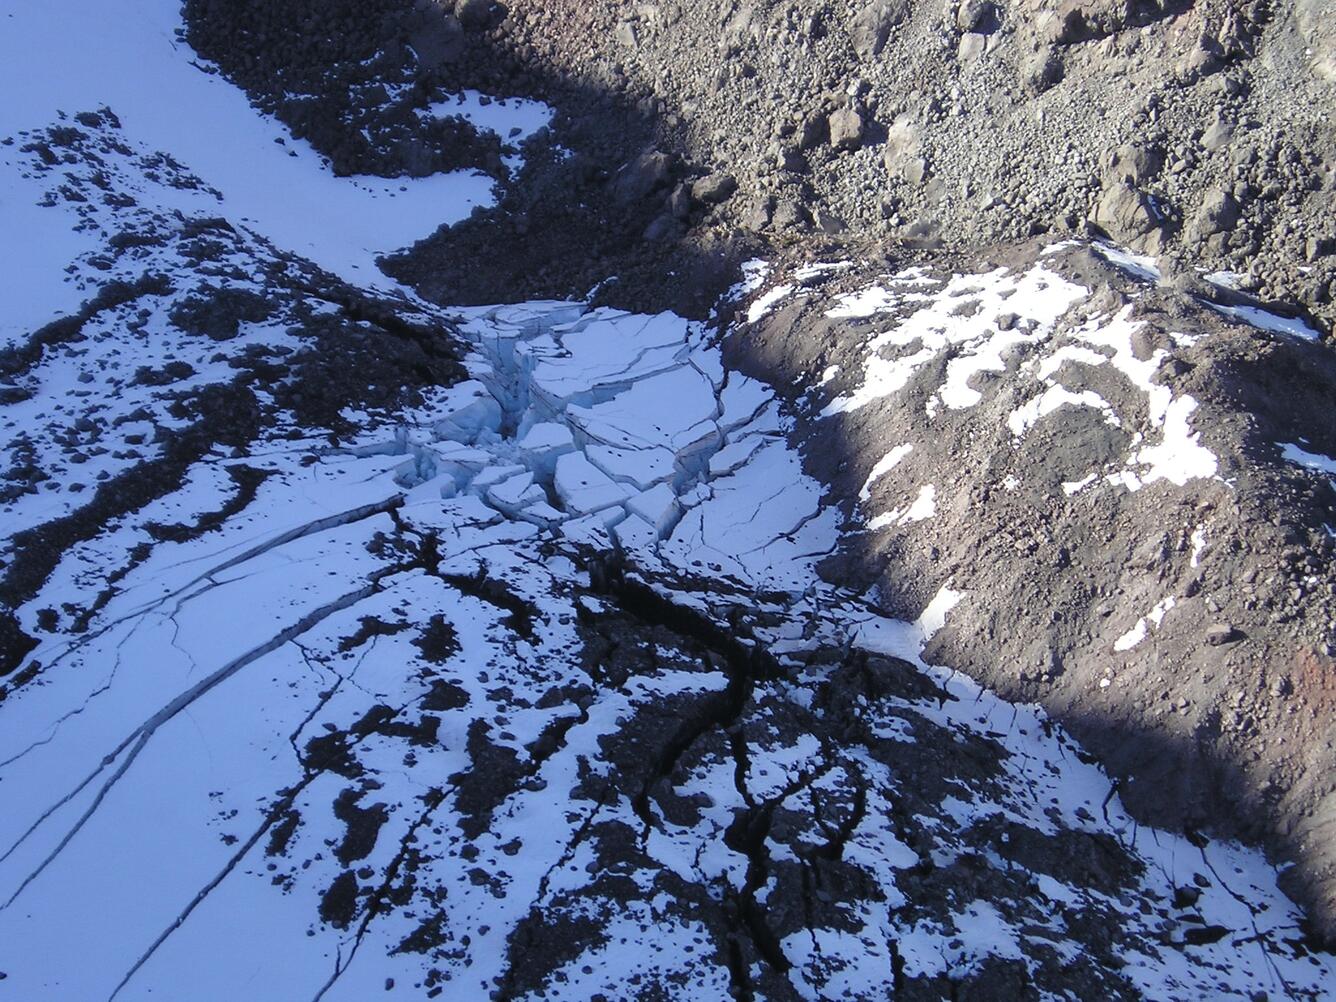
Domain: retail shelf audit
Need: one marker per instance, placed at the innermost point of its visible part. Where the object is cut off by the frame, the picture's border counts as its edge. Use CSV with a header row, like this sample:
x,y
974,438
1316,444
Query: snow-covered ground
x,y
184,782
530,687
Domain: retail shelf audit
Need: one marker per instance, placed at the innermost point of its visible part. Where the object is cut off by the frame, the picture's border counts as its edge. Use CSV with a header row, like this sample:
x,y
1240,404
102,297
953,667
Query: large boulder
x,y
1135,163
871,27
1218,213
846,129
646,174
1128,215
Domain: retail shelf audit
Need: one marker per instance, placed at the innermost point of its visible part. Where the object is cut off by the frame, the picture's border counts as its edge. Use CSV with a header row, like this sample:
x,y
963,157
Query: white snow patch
x,y
1178,456
923,507
514,119
884,466
961,318
768,302
1139,631
1071,487
1143,266
810,271
1291,453
1255,316
1025,417
933,617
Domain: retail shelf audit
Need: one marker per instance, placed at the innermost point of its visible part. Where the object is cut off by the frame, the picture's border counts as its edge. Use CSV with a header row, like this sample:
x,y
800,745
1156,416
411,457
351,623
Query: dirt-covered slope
x,y
1134,489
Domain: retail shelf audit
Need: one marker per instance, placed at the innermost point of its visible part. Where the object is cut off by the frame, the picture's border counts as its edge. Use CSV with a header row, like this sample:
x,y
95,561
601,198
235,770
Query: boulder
x,y
1135,163
714,188
871,27
642,177
1126,213
474,14
846,129
1219,213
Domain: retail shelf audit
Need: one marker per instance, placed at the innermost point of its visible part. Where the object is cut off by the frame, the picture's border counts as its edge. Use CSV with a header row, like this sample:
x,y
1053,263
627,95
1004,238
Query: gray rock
x,y
1041,70
1062,24
1202,61
829,223
1217,136
436,40
714,189
1219,212
679,202
979,16
846,129
871,27
914,170
815,131
789,158
972,45
627,35
642,176
1318,247
474,14
663,228
1125,213
1220,634
758,217
1135,164
791,215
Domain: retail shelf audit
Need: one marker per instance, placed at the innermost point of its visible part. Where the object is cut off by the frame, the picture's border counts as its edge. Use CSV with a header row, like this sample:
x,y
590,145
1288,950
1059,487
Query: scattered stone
x,y
871,28
1135,163
644,175
846,129
1126,213
714,188
1219,212
1221,634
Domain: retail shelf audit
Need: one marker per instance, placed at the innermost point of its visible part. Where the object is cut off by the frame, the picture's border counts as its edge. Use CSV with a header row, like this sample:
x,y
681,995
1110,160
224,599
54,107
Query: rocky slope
x,y
1138,487
899,617
1197,131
